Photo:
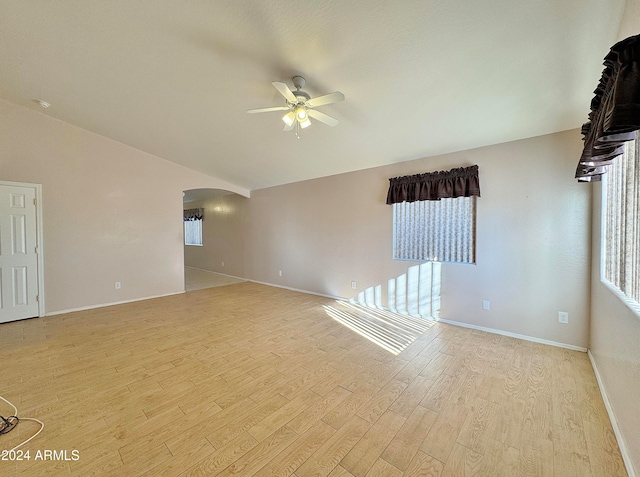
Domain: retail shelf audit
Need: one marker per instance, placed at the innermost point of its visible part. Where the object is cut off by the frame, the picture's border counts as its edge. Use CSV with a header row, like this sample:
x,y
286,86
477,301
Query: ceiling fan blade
x,y
326,99
266,110
323,118
285,91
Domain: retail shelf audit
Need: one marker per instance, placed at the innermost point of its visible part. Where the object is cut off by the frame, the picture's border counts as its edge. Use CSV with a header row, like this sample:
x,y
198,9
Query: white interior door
x,y
18,253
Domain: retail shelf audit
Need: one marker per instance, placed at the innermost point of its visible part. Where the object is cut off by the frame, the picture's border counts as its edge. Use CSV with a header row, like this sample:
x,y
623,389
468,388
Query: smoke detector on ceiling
x,y
43,104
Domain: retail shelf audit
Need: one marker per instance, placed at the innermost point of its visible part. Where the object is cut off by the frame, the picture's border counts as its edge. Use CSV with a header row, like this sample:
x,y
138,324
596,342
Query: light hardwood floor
x,y
252,380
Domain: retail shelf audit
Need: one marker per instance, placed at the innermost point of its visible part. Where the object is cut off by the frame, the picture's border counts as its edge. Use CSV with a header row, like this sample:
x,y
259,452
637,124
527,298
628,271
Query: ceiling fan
x,y
301,106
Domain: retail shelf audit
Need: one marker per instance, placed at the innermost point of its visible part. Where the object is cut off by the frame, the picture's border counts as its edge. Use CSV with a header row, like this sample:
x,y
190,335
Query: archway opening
x,y
213,233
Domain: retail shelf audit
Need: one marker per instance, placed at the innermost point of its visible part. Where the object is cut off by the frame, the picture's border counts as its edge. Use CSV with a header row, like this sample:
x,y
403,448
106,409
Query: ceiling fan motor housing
x,y
301,96
298,82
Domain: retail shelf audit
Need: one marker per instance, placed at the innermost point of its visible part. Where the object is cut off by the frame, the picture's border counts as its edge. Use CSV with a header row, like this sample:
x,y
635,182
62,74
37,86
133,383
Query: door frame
x,y
39,239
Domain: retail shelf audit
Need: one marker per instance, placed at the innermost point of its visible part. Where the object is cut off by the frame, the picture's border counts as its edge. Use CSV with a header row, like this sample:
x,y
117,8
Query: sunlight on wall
x,y
412,298
416,293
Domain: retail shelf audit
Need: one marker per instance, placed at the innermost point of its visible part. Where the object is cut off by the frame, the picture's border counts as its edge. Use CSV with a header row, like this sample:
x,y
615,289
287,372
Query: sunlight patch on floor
x,y
391,331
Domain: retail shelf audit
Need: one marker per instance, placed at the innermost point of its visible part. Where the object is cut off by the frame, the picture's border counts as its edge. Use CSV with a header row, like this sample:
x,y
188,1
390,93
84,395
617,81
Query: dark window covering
x,y
615,110
193,214
459,182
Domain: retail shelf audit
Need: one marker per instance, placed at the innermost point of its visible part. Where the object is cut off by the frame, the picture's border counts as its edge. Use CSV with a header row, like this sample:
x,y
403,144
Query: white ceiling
x,y
421,77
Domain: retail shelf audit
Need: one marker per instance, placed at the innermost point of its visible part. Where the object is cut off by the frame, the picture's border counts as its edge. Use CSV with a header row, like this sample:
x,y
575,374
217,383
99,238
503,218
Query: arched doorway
x,y
213,250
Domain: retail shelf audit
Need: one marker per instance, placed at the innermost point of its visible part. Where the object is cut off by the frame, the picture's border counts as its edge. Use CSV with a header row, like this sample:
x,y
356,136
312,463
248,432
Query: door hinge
x,y
38,298
35,201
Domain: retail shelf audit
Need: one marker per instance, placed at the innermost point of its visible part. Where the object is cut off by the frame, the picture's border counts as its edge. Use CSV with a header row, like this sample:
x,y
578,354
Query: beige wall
x,y
532,237
615,349
223,231
111,213
615,329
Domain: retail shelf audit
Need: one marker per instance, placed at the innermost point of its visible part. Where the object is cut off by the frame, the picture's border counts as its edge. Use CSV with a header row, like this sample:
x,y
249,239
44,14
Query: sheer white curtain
x,y
622,222
193,226
193,232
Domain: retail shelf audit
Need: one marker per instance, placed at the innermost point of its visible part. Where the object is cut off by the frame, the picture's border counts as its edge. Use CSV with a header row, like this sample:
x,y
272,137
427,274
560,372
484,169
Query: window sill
x,y
193,244
630,303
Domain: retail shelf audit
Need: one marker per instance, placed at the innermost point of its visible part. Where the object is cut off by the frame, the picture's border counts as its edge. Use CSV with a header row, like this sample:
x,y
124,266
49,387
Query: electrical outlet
x,y
353,284
118,285
563,317
223,264
280,272
486,305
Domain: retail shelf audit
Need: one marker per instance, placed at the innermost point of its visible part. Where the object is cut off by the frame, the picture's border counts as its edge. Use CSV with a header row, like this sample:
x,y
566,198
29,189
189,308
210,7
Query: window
x,y
193,232
193,226
621,224
442,230
434,215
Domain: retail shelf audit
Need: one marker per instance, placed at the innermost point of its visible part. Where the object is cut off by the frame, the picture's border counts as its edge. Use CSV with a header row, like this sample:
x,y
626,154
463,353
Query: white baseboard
x,y
217,273
515,335
450,322
296,289
624,451
92,307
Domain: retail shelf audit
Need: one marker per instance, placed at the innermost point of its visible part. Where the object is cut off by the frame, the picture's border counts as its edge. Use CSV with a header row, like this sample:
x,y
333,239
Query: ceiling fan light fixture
x,y
301,114
305,124
289,118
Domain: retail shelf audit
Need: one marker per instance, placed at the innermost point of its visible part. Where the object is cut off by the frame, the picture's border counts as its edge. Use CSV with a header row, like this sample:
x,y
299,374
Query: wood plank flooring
x,y
248,380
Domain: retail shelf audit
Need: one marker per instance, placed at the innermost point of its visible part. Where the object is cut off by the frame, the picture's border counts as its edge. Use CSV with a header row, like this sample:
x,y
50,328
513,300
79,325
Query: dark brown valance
x,y
615,110
193,214
459,182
